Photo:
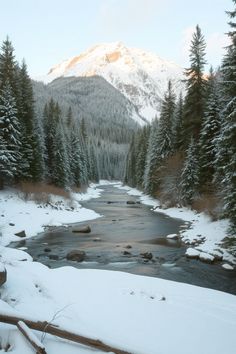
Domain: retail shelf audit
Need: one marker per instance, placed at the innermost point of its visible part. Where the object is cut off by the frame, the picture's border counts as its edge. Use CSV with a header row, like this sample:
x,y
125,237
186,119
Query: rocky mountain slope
x,y
140,76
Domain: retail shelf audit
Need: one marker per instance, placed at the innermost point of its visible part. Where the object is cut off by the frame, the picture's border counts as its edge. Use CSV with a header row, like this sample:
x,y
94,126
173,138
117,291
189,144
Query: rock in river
x,y
21,233
146,255
76,255
83,230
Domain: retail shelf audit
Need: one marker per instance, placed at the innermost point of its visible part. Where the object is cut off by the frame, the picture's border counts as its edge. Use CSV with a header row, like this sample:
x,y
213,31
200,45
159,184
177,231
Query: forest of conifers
x,y
187,157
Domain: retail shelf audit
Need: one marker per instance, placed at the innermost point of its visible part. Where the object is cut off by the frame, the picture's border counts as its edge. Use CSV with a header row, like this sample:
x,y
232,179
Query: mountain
x,y
140,76
110,118
107,112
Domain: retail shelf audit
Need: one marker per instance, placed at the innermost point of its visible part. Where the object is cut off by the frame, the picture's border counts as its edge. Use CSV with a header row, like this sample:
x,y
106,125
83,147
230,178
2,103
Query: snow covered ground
x,y
139,314
204,235
142,315
18,215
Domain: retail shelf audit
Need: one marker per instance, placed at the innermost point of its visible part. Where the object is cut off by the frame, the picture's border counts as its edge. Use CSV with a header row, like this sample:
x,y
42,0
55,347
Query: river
x,y
131,229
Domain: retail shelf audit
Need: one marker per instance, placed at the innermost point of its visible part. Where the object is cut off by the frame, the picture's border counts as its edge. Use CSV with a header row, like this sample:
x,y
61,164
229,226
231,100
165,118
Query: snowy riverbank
x,y
204,235
134,313
18,215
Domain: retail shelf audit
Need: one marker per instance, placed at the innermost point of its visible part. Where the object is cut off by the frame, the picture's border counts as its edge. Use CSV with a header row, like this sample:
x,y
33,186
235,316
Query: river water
x,y
132,228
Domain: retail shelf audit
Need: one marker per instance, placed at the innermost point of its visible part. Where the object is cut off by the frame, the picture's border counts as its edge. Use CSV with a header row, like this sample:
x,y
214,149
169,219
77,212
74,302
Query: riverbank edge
x,y
204,237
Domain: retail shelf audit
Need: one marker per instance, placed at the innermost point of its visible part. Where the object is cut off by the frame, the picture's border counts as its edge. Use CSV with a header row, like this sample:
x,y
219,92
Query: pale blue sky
x,y
45,32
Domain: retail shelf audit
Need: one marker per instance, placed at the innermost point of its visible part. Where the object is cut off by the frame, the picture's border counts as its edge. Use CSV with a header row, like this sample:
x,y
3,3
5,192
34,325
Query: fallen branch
x,y
56,331
31,338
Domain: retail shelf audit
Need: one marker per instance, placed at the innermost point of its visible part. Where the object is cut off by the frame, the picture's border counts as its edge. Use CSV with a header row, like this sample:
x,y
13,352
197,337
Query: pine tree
x,y
165,132
10,131
6,162
226,152
94,176
130,175
226,161
8,66
152,159
178,136
50,132
26,118
38,165
196,86
207,143
142,144
160,143
189,177
60,175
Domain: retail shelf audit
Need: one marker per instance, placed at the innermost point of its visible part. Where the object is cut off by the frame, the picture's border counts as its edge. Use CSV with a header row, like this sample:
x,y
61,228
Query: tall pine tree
x,y
196,86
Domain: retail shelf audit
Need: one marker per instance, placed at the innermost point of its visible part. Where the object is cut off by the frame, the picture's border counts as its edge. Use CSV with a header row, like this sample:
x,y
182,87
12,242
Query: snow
x,y
172,236
135,313
32,337
205,257
227,266
125,68
16,214
192,253
197,229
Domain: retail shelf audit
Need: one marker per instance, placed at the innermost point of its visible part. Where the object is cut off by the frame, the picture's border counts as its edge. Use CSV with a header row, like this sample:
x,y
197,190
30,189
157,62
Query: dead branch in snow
x,y
62,333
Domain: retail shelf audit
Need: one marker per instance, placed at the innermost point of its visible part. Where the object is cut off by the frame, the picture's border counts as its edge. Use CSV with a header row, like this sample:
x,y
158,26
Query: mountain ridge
x,y
140,75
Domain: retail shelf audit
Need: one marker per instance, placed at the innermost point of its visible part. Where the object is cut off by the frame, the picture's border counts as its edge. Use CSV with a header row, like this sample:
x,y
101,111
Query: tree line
x,y
51,147
188,157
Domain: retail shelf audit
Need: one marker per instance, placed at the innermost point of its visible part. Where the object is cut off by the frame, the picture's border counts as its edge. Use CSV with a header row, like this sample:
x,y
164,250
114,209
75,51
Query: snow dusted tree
x,y
74,150
189,177
6,162
38,166
208,137
165,131
160,143
93,173
178,135
152,159
50,132
196,86
10,131
142,145
60,175
8,66
226,147
130,175
226,161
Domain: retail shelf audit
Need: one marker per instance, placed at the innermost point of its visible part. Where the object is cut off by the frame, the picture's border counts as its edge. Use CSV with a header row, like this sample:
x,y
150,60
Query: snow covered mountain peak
x,y
141,76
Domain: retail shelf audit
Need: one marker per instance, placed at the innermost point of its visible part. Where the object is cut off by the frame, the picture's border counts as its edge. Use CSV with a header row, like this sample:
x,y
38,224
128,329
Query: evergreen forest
x,y
187,157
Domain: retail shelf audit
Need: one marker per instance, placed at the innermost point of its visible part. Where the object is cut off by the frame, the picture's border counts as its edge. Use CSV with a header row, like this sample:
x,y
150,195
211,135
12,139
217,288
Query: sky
x,y
46,32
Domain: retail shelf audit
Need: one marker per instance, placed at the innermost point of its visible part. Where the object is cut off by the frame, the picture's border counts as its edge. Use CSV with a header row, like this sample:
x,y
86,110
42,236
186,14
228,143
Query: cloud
x,y
124,15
